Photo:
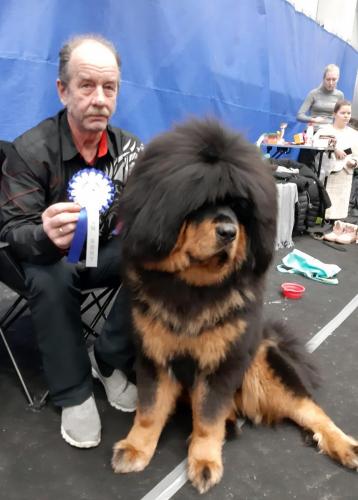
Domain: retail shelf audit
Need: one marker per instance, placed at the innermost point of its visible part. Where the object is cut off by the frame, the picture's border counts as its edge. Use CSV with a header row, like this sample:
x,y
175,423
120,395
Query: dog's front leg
x,y
135,452
205,466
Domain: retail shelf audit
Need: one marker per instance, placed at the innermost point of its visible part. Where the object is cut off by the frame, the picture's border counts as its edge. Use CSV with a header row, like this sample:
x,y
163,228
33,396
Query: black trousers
x,y
55,301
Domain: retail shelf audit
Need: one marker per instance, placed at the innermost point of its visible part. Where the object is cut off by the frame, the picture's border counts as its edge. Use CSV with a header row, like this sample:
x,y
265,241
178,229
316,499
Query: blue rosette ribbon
x,y
93,190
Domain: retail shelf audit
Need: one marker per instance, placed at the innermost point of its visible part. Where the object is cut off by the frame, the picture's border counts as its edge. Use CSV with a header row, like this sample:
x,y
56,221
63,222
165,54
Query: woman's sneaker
x,y
81,425
349,234
337,230
121,393
342,232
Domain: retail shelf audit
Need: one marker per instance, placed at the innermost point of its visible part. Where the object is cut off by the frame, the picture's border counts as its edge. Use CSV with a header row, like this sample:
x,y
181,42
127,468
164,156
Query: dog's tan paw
x,y
340,447
127,458
350,458
204,474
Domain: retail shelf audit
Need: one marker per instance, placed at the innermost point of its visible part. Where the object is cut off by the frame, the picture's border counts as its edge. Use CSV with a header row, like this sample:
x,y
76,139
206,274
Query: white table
x,y
281,149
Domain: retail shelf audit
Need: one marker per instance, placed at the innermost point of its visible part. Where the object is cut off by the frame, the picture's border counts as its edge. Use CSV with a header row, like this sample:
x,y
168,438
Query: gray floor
x,y
264,463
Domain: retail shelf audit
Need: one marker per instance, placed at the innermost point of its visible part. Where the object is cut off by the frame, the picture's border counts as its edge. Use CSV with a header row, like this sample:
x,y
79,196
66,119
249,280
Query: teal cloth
x,y
298,262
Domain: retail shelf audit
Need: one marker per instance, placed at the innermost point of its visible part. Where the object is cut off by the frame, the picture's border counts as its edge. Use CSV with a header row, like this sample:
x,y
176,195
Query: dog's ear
x,y
262,234
150,211
258,215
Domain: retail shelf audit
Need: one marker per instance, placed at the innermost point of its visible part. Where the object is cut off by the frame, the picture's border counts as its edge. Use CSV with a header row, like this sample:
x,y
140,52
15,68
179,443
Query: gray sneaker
x,y
81,425
121,393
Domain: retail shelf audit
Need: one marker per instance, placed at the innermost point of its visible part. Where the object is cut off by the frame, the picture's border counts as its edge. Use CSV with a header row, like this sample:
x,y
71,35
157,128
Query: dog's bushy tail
x,y
289,359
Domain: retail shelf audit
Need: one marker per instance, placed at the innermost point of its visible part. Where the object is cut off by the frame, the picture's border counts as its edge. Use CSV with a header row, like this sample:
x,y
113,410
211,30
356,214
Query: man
x,y
39,223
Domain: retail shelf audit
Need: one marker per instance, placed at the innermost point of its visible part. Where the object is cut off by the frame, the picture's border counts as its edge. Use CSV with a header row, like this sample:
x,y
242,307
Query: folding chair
x,y
13,277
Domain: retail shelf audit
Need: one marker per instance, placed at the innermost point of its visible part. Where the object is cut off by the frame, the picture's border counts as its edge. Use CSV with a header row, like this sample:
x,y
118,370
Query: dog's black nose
x,y
226,232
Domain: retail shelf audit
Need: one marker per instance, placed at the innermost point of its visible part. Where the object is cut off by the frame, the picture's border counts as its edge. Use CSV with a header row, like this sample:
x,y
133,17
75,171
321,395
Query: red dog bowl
x,y
292,290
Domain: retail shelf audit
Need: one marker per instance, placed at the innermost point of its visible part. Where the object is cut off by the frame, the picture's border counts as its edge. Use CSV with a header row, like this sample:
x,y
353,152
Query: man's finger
x,y
58,208
66,229
65,218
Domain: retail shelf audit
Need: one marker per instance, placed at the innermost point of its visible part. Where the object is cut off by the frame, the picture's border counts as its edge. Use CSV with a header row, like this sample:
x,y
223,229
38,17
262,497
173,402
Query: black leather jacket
x,y
35,175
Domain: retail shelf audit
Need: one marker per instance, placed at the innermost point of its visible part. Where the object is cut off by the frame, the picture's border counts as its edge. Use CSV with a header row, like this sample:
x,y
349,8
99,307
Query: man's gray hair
x,y
71,44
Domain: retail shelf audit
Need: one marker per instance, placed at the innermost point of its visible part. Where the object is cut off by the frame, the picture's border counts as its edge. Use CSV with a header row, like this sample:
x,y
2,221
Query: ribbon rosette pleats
x,y
94,192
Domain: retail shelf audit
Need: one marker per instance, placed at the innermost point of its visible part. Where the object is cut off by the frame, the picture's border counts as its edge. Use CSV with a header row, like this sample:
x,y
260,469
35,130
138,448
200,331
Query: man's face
x,y
91,93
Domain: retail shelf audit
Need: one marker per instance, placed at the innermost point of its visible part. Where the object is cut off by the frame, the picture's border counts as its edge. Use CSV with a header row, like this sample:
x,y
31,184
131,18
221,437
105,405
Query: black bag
x,y
313,198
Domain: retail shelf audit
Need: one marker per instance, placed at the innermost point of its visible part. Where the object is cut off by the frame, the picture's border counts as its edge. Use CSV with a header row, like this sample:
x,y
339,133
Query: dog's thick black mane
x,y
197,164
177,295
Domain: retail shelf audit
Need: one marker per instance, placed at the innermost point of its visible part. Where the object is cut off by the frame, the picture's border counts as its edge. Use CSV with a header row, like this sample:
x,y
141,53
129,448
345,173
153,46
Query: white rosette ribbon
x,y
94,192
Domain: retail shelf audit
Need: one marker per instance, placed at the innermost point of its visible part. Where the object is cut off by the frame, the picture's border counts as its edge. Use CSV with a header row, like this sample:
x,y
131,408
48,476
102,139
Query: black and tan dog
x,y
199,215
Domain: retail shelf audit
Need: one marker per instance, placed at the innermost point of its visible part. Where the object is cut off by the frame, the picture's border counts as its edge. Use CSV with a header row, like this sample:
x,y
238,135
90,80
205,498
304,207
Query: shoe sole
x,y
344,242
78,444
115,405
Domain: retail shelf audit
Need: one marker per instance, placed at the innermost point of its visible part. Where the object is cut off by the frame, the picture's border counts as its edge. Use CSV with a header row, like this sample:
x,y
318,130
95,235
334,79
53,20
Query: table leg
x,y
319,163
280,151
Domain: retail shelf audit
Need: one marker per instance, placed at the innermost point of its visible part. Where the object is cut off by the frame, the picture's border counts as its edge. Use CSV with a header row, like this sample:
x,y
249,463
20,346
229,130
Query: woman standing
x,y
318,106
338,167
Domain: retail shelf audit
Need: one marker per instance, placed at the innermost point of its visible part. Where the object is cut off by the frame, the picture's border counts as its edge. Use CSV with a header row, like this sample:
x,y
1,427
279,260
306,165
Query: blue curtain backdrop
x,y
249,62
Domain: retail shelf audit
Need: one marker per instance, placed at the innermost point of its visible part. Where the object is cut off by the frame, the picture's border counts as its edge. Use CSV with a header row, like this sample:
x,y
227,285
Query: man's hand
x,y
59,223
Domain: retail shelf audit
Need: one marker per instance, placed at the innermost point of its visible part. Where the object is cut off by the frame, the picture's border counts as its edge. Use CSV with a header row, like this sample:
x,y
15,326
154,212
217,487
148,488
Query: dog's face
x,y
210,246
211,235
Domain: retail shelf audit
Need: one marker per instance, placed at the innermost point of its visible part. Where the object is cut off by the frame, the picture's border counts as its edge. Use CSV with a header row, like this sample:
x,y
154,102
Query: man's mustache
x,y
98,112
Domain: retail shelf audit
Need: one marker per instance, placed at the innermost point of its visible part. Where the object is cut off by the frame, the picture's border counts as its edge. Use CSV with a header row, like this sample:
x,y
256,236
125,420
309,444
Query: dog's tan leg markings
x,y
205,467
264,398
331,440
133,453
